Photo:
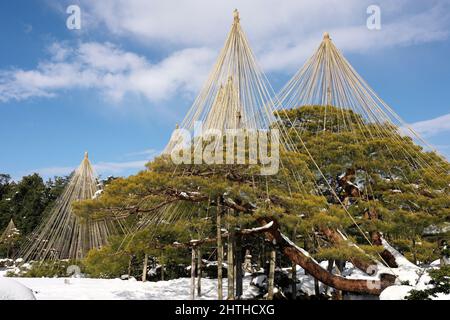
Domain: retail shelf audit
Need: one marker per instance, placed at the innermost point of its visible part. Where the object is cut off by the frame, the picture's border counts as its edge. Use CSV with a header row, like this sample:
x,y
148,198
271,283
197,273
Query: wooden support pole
x,y
294,271
230,261
219,252
144,268
193,263
238,268
271,279
199,273
330,270
129,265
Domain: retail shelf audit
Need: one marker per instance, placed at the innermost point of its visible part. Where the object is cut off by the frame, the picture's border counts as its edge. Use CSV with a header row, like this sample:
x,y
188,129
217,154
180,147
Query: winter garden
x,y
358,207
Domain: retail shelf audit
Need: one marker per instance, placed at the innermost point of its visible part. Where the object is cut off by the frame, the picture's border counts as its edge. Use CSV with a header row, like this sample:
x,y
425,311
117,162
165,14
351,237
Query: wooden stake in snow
x,y
271,280
219,252
238,268
230,260
144,269
193,274
199,272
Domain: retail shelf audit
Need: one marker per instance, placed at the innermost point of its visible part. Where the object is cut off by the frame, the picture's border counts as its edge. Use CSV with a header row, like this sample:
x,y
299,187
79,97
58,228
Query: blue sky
x,y
118,86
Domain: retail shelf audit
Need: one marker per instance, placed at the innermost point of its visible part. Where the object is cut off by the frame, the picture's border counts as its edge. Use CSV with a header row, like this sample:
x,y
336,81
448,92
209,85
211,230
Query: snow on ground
x,y
13,290
395,292
116,289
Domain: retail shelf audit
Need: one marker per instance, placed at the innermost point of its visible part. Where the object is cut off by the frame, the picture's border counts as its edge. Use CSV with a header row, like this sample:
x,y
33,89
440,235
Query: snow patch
x,y
13,290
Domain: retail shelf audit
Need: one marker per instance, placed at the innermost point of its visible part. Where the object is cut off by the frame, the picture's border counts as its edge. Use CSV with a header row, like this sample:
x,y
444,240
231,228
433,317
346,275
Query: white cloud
x,y
109,69
432,127
282,33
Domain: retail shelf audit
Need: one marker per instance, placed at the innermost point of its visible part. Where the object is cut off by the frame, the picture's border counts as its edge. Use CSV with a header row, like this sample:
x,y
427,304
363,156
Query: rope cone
x,y
63,235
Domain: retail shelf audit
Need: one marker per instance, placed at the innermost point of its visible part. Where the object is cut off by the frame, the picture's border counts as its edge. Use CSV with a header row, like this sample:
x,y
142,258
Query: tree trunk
x,y
144,268
238,264
294,272
219,253
294,281
337,238
302,258
199,273
193,274
271,279
330,270
162,272
338,293
414,251
129,265
316,287
316,282
230,262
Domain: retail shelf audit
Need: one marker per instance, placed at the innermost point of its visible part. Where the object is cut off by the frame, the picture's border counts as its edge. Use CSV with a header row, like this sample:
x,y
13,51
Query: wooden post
x,y
339,268
294,271
219,252
199,273
144,269
129,265
230,269
271,279
193,262
230,261
162,266
238,266
330,270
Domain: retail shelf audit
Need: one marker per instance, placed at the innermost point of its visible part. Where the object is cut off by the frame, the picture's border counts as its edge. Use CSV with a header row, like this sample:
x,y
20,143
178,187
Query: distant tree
x,y
27,201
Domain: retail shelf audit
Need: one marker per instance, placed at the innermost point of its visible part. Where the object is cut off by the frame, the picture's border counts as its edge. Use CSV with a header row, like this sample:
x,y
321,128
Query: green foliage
x,y
396,194
440,282
44,269
107,262
26,202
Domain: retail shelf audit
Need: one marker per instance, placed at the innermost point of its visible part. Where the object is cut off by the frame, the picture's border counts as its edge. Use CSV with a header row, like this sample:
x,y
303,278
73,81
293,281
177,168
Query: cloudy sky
x,y
118,86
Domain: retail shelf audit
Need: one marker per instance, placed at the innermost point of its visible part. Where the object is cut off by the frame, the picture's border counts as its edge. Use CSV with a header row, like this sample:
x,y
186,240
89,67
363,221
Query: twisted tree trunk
x,y
302,258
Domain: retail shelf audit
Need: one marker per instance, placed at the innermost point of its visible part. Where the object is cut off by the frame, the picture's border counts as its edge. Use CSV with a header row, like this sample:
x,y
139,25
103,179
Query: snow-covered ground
x,y
110,289
113,289
409,276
